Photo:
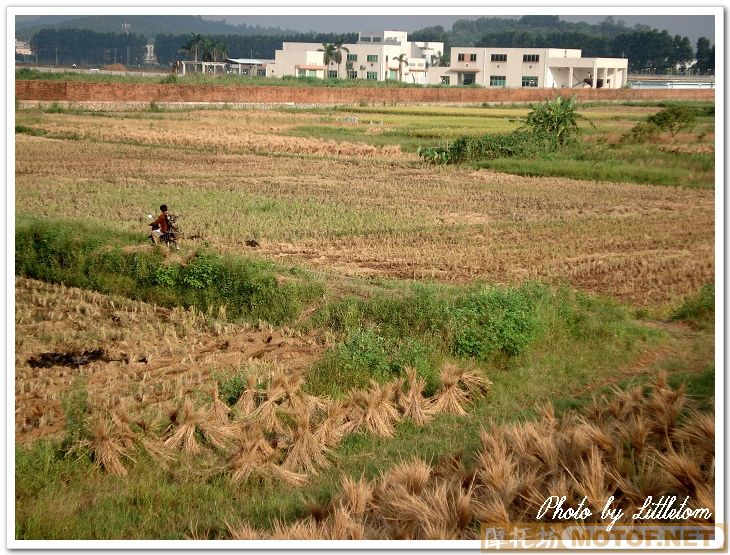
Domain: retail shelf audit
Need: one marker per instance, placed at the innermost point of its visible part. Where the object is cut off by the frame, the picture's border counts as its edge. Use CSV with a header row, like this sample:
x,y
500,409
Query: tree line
x,y
646,49
88,48
172,47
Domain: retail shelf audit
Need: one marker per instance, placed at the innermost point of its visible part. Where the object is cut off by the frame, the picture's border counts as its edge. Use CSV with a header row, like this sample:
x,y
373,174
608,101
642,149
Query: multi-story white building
x,y
387,55
378,56
529,67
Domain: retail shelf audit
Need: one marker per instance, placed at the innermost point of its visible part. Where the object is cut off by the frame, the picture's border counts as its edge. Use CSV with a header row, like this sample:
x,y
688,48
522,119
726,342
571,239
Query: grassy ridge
x,y
93,258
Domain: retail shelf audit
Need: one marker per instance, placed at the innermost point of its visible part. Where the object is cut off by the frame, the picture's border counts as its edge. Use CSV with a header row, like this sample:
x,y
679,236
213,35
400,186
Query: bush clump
x,y
81,256
549,126
672,119
698,309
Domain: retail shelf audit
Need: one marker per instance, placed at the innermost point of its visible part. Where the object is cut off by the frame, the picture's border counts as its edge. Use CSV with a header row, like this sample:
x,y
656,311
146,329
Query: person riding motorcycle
x,y
161,224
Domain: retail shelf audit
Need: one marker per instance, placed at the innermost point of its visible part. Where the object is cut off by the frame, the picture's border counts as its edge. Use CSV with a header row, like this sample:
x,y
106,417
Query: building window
x,y
531,58
373,75
460,57
393,74
499,57
352,74
377,39
498,81
261,72
372,57
352,57
446,80
472,57
529,81
302,73
332,74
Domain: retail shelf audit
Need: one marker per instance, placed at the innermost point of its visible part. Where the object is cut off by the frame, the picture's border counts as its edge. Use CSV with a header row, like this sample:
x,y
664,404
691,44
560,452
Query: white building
x,y
378,56
529,67
22,48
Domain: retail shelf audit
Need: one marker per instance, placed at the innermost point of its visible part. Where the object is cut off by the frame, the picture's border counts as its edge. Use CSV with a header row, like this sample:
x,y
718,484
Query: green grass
x,y
699,309
584,339
84,256
645,165
206,79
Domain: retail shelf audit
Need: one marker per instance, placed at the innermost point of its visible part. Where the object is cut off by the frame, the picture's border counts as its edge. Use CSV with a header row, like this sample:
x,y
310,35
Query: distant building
x,y
376,56
248,67
149,54
529,67
22,48
379,56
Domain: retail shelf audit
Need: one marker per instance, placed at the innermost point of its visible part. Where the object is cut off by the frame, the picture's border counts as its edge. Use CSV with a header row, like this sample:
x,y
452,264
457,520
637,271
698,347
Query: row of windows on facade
x,y
351,74
374,58
494,80
499,57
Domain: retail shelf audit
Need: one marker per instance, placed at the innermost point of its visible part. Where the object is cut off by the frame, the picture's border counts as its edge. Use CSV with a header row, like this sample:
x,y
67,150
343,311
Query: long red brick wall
x,y
79,91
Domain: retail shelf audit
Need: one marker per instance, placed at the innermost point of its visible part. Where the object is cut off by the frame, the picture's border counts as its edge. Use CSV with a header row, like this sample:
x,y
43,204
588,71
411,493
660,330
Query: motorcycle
x,y
168,238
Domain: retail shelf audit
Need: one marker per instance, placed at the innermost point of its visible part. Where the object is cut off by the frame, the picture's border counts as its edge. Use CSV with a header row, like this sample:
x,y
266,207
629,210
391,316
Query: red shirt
x,y
162,222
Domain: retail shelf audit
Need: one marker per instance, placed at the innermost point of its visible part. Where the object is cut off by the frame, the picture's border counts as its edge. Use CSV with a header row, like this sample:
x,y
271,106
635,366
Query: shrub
x,y
435,154
549,126
556,119
673,119
170,79
495,321
698,309
642,132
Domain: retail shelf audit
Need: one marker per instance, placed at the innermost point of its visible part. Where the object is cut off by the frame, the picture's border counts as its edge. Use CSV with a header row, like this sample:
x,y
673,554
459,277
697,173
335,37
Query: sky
x,y
685,25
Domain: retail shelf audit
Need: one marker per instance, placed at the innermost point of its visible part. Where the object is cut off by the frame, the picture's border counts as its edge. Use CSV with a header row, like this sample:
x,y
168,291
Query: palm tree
x,y
329,50
207,47
401,60
219,50
195,42
338,55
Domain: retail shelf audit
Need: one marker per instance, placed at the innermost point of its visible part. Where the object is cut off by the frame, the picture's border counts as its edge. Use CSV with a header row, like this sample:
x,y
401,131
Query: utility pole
x,y
56,47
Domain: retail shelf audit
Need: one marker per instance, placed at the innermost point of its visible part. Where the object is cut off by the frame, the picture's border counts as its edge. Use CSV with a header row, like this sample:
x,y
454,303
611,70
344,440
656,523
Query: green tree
x,y
194,44
682,53
705,55
339,49
401,60
437,59
329,50
673,119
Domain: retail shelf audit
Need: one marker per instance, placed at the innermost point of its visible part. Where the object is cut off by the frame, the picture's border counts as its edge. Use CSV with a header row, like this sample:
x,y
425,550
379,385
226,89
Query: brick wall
x,y
78,91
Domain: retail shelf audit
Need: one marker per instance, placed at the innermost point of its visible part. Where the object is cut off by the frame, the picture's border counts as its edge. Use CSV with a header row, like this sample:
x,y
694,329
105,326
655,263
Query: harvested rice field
x,y
364,209
352,343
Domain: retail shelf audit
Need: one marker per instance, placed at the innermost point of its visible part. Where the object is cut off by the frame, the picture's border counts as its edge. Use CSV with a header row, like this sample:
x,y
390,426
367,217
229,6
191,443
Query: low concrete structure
x,y
531,68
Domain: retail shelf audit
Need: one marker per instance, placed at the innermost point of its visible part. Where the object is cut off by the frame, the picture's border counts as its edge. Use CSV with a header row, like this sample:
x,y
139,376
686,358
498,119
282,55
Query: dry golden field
x,y
355,208
149,355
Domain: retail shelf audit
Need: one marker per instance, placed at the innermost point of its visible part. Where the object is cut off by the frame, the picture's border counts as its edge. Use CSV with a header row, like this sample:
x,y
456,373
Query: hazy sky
x,y
690,26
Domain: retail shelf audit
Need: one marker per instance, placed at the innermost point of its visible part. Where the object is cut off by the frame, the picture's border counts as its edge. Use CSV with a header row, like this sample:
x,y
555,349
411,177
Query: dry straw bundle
x,y
521,464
